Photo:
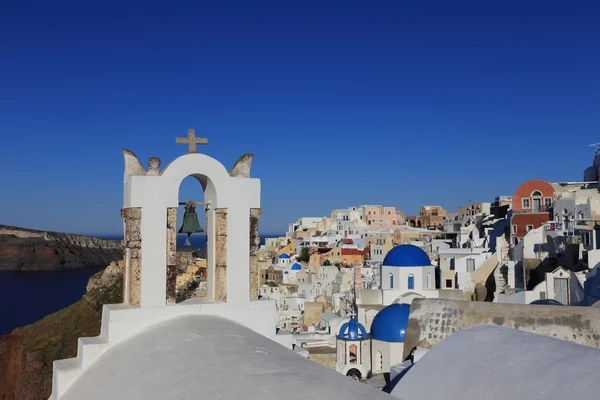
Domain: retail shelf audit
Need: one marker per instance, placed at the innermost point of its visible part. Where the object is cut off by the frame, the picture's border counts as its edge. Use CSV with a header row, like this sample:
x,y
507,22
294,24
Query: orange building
x,y
532,207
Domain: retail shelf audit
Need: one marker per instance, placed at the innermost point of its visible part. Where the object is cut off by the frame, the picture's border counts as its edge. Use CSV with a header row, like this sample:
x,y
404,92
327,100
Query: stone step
x,y
89,349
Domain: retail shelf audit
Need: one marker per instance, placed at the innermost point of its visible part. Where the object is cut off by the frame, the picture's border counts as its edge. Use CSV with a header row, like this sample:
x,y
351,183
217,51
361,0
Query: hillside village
x,y
538,245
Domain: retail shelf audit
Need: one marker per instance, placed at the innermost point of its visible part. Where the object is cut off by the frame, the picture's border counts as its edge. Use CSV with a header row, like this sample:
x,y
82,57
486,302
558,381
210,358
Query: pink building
x,y
379,217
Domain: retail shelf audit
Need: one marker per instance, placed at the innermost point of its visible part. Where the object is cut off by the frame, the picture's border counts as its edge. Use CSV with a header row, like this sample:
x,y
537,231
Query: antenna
x,y
596,146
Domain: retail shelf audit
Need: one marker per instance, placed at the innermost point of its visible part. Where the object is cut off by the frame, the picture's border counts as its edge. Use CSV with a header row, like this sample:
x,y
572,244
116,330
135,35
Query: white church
x,y
226,346
407,269
362,355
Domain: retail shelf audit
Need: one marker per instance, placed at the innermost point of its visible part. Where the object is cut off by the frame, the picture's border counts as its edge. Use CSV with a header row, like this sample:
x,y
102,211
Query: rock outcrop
x,y
26,354
30,250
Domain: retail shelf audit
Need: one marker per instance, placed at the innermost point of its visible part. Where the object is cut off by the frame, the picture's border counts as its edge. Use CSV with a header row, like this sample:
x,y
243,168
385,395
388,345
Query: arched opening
x,y
192,261
429,281
379,362
411,282
391,280
412,223
354,374
536,200
418,223
352,354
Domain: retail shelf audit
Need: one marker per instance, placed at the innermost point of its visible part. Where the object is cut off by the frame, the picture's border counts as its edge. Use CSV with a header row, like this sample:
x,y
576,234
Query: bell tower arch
x,y
149,211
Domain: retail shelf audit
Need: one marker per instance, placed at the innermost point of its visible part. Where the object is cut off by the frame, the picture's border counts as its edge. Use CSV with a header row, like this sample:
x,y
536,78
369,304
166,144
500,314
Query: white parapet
x,y
120,323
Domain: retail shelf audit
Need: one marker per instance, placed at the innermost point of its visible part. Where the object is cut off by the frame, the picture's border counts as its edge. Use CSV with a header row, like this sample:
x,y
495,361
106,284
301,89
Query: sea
x,y
26,297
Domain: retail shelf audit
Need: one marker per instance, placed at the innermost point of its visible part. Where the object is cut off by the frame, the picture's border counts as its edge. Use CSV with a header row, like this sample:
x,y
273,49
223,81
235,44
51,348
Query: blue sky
x,y
342,103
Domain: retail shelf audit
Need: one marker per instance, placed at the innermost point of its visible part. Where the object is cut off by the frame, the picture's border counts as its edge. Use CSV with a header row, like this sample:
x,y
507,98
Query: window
x,y
548,202
448,283
352,352
514,229
586,238
411,281
470,265
379,362
536,193
528,228
391,281
525,203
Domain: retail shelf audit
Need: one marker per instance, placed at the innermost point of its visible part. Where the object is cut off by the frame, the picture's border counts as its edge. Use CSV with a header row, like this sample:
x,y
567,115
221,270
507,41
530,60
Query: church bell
x,y
190,222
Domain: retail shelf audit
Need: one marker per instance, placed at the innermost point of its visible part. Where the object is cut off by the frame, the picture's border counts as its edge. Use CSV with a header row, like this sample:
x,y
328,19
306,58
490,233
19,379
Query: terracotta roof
x,y
351,252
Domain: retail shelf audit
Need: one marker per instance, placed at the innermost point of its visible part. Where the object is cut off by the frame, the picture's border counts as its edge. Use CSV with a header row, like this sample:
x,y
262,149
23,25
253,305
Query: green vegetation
x,y
53,338
304,255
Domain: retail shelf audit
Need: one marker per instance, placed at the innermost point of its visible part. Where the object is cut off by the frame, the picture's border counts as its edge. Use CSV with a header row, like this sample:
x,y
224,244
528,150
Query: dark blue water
x,y
198,240
26,297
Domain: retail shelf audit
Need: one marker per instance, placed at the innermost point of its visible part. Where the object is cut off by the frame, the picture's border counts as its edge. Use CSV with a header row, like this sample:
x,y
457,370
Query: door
x,y
537,204
561,293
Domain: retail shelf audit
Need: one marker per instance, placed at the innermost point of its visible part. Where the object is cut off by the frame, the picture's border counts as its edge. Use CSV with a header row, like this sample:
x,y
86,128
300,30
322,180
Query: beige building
x,y
312,313
379,245
402,236
430,217
474,209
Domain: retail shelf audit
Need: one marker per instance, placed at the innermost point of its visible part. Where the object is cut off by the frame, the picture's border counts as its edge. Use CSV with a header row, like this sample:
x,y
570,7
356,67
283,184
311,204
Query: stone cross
x,y
191,140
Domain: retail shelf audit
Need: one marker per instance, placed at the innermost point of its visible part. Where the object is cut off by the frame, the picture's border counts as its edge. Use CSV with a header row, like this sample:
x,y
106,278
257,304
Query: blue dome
x,y
389,325
296,267
406,255
352,330
284,256
286,272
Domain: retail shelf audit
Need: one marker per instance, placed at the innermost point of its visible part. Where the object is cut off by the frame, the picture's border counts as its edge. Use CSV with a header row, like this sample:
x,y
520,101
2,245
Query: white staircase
x,y
88,350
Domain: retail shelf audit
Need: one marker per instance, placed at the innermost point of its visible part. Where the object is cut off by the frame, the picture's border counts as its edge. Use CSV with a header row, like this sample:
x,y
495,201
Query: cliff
x,y
26,354
27,249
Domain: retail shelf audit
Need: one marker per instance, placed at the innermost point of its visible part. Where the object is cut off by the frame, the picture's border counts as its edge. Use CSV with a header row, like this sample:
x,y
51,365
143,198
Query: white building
x,y
560,286
304,223
343,282
284,261
309,291
325,278
290,276
463,262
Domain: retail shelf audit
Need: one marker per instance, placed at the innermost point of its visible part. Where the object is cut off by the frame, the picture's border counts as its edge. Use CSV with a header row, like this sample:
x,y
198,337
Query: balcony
x,y
534,210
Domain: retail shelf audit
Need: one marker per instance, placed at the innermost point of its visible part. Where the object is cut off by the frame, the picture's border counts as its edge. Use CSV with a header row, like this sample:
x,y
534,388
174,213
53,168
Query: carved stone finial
x,y
132,164
154,166
242,166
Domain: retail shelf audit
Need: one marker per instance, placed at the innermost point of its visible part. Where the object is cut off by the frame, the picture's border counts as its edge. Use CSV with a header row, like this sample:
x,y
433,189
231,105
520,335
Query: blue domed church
x,y
407,270
388,330
353,350
361,355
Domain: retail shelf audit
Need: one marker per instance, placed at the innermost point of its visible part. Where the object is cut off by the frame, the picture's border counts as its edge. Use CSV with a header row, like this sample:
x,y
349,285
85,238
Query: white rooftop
x,y
498,363
209,357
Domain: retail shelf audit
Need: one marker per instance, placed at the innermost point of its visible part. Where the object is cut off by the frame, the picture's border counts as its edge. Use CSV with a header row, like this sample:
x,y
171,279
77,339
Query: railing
x,y
532,210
